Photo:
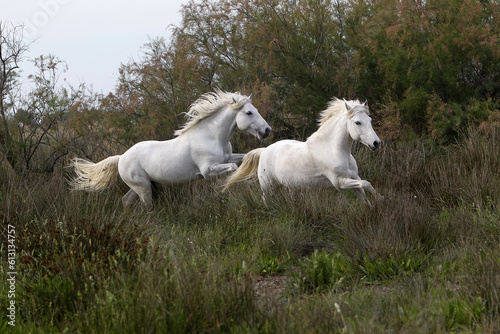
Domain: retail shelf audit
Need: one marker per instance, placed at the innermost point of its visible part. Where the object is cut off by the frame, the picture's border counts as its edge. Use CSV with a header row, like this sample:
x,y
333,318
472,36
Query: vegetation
x,y
425,258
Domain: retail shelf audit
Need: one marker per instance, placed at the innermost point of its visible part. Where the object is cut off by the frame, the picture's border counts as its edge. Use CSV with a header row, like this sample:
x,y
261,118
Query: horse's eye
x,y
357,123
249,113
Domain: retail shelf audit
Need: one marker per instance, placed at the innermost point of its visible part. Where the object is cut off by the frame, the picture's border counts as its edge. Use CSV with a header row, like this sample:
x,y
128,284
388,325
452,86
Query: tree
x,y
35,130
430,67
290,54
49,137
150,97
433,60
12,50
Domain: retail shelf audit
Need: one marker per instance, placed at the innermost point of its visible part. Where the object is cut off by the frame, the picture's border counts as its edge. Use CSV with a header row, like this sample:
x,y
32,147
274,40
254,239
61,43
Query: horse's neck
x,y
219,126
332,136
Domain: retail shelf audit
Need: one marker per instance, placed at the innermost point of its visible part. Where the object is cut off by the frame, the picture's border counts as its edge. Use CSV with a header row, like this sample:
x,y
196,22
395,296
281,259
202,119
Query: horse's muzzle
x,y
376,145
265,133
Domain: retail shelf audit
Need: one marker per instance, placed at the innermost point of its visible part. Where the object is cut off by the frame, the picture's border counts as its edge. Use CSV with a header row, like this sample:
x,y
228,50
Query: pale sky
x,y
92,36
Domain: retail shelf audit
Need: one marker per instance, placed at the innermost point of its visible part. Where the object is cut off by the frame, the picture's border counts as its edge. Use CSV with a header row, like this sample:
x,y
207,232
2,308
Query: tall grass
x,y
425,258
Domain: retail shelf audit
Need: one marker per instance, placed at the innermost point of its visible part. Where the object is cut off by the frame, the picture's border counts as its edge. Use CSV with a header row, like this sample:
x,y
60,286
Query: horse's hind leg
x,y
146,196
140,188
129,198
267,187
140,185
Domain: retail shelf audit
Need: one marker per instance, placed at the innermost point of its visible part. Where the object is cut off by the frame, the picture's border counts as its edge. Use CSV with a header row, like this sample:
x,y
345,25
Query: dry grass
x,y
426,258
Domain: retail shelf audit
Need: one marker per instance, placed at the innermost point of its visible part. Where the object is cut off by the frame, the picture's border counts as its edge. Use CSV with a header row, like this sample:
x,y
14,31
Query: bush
x,y
323,271
448,121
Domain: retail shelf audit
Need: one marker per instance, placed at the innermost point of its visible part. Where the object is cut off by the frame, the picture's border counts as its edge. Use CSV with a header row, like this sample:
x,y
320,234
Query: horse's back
x,y
283,150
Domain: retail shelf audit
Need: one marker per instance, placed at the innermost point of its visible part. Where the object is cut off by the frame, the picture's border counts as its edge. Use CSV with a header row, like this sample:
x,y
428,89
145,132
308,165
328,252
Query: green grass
x,y
426,258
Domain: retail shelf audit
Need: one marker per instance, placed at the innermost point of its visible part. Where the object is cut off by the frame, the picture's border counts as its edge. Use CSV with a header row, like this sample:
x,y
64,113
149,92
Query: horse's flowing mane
x,y
337,107
208,104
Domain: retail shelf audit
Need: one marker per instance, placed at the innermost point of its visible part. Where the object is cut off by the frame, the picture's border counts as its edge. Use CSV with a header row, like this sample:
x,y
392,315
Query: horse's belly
x,y
299,180
173,170
175,175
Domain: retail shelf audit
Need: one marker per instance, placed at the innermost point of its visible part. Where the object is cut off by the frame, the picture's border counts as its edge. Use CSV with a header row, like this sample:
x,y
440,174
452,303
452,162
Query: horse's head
x,y
360,127
249,120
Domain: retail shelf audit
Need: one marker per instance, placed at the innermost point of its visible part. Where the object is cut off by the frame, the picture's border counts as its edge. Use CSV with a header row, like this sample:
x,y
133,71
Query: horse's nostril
x,y
268,131
376,144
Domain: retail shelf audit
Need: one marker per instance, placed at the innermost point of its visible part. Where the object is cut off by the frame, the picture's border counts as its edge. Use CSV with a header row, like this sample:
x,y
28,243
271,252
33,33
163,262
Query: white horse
x,y
323,161
200,148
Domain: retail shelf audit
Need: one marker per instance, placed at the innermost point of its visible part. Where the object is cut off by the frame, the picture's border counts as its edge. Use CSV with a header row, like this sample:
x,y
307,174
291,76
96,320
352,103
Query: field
x,y
424,259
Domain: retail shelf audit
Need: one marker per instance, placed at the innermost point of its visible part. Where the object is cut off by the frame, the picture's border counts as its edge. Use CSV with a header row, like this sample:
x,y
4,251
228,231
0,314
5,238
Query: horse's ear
x,y
250,97
365,103
347,106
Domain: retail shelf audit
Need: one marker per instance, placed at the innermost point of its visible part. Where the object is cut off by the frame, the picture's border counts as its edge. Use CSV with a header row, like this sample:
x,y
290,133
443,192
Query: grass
x,y
426,258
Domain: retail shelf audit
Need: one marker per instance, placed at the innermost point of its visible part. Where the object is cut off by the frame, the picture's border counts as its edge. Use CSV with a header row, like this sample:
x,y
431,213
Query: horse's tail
x,y
247,170
93,176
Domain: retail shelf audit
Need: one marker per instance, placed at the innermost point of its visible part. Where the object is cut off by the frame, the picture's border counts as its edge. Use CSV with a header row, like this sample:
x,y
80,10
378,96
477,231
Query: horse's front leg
x,y
236,158
219,169
346,183
359,186
360,194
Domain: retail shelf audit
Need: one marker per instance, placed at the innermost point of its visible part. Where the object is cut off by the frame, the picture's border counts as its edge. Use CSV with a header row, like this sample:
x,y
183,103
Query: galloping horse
x,y
200,148
323,161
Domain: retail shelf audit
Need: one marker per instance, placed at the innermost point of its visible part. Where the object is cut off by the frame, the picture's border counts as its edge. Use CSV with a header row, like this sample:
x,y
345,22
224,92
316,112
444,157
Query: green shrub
x,y
462,313
386,269
324,271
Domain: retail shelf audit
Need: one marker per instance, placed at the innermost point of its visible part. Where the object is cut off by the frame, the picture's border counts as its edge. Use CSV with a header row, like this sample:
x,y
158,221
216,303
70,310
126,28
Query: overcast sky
x,y
92,36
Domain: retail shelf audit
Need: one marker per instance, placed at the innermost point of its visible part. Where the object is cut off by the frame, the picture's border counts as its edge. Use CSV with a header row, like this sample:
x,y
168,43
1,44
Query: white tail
x,y
94,176
247,169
